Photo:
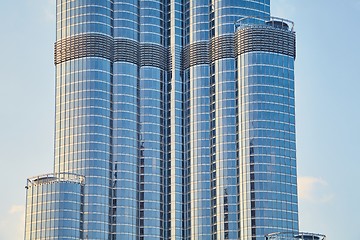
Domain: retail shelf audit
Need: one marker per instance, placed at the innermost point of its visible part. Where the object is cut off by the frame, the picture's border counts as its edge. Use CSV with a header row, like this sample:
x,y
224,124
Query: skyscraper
x,y
174,120
266,122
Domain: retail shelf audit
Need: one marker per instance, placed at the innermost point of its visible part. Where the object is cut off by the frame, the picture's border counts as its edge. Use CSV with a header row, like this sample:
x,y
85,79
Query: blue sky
x,y
327,108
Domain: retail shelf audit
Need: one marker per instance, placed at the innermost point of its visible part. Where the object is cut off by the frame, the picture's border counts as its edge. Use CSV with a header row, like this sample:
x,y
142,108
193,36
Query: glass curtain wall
x,y
180,131
152,120
54,207
196,122
266,107
224,163
83,106
125,120
174,125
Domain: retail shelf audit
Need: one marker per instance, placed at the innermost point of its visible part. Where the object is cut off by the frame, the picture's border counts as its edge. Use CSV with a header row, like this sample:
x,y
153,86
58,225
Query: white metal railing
x,y
55,177
294,236
285,22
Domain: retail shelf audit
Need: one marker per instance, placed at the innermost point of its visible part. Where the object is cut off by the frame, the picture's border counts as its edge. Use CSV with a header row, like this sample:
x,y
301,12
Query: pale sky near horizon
x,y
327,109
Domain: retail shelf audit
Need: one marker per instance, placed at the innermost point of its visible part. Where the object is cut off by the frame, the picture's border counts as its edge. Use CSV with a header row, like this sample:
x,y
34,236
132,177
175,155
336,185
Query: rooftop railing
x,y
55,177
295,236
275,22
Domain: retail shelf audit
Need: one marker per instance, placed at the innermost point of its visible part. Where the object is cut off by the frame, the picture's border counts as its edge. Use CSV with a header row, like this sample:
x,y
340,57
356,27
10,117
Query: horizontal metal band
x,y
85,45
126,50
153,55
221,47
118,50
195,54
265,38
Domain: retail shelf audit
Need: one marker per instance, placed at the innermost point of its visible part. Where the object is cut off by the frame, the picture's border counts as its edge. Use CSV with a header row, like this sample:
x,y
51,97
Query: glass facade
x,y
126,128
181,129
266,134
54,207
83,109
267,143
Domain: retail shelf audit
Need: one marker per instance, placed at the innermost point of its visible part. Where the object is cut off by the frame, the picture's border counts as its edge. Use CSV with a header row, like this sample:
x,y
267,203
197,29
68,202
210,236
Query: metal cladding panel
x,y
118,50
84,45
126,50
206,52
221,47
195,54
265,38
153,55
